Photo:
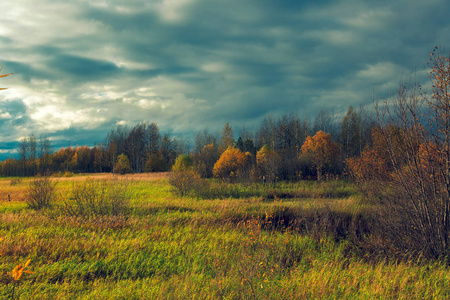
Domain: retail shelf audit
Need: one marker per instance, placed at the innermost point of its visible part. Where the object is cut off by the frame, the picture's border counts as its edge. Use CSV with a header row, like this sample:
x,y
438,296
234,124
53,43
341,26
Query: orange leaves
x,y
322,150
429,157
4,75
267,162
18,271
231,162
369,166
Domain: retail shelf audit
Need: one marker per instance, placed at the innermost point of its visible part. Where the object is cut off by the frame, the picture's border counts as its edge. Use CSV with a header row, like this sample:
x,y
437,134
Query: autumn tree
x,y
11,167
183,163
205,160
322,151
123,165
370,172
267,164
231,163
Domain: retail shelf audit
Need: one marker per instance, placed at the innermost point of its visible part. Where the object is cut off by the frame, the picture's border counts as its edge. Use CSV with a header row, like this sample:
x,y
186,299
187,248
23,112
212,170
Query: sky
x,y
81,67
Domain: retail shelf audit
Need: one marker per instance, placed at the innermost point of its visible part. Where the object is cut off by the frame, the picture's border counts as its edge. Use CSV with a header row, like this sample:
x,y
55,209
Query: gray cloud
x,y
83,66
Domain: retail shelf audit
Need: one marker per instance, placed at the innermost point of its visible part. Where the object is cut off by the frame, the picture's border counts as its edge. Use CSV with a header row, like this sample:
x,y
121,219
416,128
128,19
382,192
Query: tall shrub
x,y
40,193
417,213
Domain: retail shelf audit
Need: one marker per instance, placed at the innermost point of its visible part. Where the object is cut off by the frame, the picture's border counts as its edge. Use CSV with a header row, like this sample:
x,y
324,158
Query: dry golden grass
x,y
17,191
108,176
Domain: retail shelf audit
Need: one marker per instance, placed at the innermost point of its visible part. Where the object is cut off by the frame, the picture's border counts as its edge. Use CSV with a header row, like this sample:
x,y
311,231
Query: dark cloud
x,y
84,66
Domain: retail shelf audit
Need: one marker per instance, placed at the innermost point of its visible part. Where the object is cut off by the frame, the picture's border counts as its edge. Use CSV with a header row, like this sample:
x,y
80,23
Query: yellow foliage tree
x,y
231,162
267,162
123,165
321,149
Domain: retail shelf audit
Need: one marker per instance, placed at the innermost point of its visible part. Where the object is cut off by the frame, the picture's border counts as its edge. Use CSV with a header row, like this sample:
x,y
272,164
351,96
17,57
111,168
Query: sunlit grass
x,y
189,248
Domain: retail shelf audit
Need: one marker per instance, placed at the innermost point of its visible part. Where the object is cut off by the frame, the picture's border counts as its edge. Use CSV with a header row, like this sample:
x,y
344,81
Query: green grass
x,y
171,247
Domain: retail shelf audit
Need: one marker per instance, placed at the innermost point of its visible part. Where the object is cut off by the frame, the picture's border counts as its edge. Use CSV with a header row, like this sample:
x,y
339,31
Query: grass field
x,y
290,241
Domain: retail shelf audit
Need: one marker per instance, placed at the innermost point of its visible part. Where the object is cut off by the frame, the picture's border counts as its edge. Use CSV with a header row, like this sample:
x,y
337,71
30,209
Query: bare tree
x,y
23,154
416,131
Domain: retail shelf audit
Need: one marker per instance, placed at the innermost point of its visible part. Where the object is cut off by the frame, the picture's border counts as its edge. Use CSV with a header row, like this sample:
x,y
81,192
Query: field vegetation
x,y
286,240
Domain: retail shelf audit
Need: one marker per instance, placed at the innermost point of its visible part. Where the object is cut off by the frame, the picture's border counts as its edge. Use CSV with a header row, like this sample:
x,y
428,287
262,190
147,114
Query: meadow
x,y
300,240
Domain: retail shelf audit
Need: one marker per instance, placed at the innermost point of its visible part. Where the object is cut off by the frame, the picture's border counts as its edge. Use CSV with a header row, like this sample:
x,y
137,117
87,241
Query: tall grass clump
x,y
40,193
98,198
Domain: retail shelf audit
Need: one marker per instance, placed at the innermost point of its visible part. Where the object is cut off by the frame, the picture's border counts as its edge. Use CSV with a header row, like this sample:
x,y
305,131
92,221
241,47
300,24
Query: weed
x,y
15,181
98,198
40,193
17,273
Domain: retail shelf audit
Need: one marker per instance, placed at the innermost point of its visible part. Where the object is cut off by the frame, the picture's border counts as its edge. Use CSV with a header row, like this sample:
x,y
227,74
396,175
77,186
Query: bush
x,y
40,193
188,181
98,198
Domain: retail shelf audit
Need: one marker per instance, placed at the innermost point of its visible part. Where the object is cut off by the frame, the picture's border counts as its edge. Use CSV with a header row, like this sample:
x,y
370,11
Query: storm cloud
x,y
83,66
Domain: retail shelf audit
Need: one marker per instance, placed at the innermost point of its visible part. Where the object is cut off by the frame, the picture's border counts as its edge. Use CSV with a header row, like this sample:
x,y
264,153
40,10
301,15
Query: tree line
x,y
146,149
